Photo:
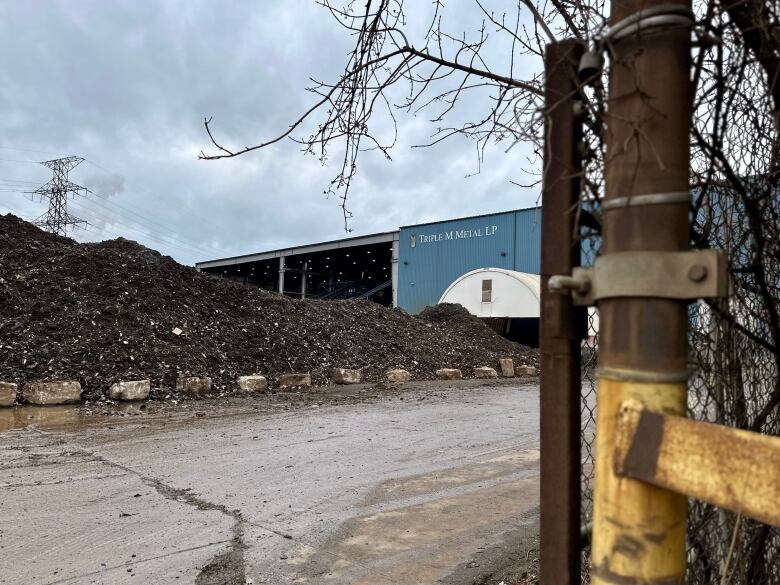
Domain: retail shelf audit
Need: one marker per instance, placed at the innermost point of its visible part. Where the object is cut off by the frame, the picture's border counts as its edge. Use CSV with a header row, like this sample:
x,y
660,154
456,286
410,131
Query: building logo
x,y
464,234
413,240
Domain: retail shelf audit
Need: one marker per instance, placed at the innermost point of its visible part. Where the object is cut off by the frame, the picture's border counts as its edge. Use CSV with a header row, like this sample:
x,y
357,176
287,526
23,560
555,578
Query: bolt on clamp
x,y
686,275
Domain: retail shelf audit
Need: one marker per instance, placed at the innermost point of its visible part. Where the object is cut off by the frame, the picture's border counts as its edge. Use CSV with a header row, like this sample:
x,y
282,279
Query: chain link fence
x,y
735,342
590,242
734,369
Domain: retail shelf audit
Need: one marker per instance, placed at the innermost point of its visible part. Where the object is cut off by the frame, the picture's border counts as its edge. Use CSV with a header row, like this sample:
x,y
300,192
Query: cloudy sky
x,y
126,86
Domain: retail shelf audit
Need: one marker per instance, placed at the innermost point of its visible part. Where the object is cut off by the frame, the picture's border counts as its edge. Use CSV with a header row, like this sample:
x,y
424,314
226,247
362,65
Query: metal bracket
x,y
688,275
726,467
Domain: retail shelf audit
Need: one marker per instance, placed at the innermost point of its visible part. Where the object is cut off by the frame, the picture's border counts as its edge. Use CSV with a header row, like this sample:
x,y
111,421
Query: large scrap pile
x,y
100,313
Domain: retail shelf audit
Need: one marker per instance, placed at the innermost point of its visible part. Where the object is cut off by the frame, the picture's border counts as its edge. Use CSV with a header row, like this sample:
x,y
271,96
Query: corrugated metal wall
x,y
433,255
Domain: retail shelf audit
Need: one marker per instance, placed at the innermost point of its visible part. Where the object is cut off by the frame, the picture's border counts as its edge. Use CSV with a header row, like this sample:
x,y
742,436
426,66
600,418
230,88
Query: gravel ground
x,y
428,482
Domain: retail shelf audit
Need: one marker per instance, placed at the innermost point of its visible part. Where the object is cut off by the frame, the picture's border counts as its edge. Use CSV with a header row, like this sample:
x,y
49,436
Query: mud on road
x,y
432,482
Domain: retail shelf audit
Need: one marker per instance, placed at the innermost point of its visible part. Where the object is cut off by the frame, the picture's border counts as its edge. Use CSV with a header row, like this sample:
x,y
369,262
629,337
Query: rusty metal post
x,y
639,529
560,346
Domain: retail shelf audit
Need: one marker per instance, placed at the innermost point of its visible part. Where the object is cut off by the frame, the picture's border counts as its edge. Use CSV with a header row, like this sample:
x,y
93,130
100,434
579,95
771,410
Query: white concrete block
x,y
253,383
398,375
291,380
344,376
7,393
485,372
507,367
525,370
449,374
46,393
193,385
132,390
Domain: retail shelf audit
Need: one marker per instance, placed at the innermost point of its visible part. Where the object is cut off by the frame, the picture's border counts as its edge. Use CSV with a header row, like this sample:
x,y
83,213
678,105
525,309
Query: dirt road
x,y
429,484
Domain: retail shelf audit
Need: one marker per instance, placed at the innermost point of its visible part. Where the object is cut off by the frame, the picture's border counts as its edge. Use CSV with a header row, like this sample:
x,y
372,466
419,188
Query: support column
x,y
282,269
394,270
560,343
638,529
304,280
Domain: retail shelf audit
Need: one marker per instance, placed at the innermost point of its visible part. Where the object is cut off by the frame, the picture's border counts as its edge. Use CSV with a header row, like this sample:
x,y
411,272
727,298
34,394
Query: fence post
x,y
560,346
639,530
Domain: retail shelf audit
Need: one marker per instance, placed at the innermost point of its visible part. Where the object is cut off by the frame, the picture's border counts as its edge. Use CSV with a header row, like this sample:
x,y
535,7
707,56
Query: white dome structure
x,y
496,292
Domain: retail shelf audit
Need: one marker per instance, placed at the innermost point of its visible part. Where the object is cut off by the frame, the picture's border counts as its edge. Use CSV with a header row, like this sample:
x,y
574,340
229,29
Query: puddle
x,y
65,417
19,417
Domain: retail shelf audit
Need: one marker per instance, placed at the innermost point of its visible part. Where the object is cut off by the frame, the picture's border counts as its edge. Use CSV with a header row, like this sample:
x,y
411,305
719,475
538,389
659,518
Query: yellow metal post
x,y
639,529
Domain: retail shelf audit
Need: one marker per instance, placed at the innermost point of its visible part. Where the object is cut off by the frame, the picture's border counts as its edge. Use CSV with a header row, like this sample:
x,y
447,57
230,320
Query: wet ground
x,y
432,482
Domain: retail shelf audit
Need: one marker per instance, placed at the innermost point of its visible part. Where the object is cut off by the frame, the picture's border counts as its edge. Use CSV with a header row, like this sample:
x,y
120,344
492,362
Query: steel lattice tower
x,y
57,219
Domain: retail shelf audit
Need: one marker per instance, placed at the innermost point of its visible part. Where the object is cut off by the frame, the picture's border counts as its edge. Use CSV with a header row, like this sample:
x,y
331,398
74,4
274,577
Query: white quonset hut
x,y
496,292
506,299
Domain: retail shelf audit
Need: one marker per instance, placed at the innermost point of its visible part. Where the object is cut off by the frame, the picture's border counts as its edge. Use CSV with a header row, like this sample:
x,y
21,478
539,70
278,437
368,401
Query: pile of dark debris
x,y
115,310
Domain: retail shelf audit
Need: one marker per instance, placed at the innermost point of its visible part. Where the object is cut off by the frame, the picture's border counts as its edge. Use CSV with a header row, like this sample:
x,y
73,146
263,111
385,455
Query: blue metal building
x,y
433,255
409,268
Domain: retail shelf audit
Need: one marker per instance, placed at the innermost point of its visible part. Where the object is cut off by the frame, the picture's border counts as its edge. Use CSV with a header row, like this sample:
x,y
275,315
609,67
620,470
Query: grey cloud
x,y
105,185
126,85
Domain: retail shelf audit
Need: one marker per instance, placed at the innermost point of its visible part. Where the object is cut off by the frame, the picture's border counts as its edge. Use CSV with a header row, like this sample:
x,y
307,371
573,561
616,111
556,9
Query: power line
x,y
130,228
114,221
102,168
148,223
144,220
12,212
57,219
2,180
193,215
108,219
35,162
31,150
140,219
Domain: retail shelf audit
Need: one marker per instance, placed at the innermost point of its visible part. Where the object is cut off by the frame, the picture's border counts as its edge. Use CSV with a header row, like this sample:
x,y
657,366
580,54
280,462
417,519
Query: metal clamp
x,y
688,275
646,199
656,17
665,15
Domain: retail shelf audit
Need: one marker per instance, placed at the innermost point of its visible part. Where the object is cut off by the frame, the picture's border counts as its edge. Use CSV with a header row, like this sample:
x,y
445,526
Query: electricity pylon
x,y
57,219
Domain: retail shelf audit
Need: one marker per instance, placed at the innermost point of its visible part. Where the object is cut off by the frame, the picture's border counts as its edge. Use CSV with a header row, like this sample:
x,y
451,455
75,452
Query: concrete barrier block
x,y
507,367
525,370
345,376
253,383
290,380
46,393
193,385
7,393
132,390
449,374
485,372
398,375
